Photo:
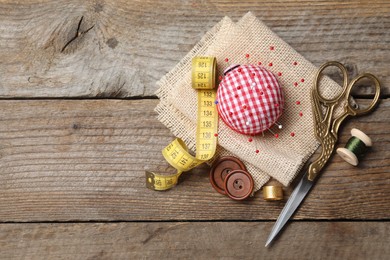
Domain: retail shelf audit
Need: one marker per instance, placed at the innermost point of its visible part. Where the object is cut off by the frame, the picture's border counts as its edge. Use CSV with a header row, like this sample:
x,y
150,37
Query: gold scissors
x,y
326,127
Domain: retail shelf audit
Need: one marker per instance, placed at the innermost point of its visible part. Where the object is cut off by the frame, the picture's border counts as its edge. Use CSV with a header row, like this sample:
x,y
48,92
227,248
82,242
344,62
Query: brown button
x,y
238,185
221,169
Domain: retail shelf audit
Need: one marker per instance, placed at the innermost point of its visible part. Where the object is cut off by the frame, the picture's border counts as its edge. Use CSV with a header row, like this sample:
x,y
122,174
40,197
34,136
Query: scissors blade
x,y
291,206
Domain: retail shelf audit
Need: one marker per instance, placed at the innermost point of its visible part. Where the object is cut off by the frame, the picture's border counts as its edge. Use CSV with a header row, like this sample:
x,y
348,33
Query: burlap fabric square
x,y
280,158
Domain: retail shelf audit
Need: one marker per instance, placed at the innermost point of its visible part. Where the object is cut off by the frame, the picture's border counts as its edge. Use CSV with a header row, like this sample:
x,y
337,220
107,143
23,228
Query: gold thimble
x,y
271,193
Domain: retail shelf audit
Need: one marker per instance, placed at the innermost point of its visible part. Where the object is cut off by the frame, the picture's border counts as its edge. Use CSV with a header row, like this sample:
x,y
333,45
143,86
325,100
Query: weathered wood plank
x,y
229,240
64,160
121,48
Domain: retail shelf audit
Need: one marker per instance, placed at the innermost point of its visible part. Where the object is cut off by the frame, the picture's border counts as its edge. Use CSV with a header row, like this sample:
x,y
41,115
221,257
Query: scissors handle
x,y
317,91
357,111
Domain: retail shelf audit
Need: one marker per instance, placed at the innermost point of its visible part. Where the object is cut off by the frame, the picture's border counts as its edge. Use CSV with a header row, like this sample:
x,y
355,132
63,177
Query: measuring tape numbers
x,y
176,153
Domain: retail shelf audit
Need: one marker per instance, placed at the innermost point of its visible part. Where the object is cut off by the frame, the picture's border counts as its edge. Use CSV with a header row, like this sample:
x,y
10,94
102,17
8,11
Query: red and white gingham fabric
x,y
250,99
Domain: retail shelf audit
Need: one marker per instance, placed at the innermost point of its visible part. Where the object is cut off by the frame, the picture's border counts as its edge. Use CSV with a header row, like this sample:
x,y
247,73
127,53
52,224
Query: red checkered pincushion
x,y
250,99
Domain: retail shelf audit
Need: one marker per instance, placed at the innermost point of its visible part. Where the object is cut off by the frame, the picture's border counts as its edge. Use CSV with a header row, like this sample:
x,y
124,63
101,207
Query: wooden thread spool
x,y
355,147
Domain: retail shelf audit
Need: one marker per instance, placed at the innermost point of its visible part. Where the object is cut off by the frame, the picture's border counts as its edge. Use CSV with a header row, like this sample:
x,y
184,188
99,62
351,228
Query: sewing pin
x,y
276,135
280,126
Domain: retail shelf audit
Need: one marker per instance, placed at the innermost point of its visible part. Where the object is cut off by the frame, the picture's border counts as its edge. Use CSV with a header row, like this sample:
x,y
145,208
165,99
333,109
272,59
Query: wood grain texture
x,y
84,160
230,240
74,160
107,48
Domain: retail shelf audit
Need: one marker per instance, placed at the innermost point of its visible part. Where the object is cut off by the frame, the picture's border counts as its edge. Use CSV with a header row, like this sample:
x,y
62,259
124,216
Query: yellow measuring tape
x,y
176,153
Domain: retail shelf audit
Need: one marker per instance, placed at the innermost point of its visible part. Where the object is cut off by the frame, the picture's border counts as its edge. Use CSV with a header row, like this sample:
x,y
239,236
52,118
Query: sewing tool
x,y
326,127
250,99
355,147
272,191
176,153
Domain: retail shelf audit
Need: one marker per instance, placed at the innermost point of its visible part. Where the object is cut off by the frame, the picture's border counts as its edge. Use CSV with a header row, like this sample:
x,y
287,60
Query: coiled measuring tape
x,y
176,153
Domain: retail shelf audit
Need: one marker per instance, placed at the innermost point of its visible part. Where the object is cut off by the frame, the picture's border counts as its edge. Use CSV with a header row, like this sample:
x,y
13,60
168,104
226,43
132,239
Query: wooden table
x,y
77,131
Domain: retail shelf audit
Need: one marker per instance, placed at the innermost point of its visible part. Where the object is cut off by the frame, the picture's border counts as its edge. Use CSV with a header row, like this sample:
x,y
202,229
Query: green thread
x,y
357,146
